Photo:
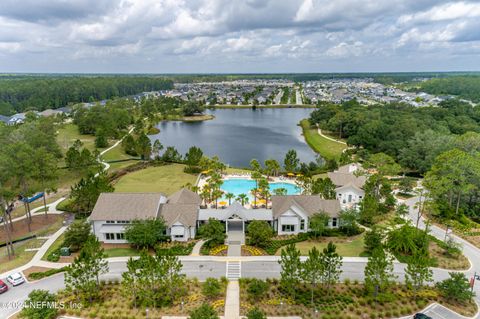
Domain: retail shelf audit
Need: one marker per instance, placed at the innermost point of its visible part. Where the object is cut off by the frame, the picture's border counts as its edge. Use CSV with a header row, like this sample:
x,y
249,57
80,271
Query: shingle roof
x,y
186,214
184,196
311,204
126,206
341,179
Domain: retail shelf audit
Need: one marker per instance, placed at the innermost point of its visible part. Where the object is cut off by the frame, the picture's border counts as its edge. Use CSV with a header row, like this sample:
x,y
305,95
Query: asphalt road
x,y
11,301
253,267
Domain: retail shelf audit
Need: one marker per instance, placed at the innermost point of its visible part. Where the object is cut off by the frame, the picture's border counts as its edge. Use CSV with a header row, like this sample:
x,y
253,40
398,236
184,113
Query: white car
x,y
15,279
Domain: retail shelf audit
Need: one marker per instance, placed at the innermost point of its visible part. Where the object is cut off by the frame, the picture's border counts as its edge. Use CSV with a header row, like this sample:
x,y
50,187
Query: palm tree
x,y
271,167
229,196
256,176
243,198
216,194
280,191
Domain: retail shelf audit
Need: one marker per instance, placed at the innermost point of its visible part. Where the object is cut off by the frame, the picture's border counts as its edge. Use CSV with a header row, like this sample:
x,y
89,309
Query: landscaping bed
x,y
345,301
346,246
39,225
114,303
252,251
37,273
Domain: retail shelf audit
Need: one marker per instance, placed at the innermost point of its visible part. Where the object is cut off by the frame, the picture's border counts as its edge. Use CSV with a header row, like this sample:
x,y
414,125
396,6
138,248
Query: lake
x,y
238,135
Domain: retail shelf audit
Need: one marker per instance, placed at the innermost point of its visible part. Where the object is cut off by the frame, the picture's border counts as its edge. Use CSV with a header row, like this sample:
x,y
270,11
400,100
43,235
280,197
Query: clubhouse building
x,y
183,214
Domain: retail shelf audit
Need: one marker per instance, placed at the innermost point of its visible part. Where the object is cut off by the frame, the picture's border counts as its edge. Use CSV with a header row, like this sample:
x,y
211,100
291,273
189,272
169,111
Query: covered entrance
x,y
235,227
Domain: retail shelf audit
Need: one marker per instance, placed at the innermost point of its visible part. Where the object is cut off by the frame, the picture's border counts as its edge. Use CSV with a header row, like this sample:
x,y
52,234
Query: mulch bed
x,y
39,222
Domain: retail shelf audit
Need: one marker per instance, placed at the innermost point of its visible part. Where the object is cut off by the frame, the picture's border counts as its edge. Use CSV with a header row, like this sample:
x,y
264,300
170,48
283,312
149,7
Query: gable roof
x,y
349,168
184,196
186,214
341,179
352,185
310,204
127,206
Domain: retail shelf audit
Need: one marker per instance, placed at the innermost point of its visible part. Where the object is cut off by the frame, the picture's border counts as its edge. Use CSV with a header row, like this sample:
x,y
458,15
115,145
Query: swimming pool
x,y
244,186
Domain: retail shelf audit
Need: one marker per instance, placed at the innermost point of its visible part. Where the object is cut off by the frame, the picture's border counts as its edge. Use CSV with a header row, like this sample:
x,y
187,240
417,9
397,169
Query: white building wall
x,y
349,196
101,229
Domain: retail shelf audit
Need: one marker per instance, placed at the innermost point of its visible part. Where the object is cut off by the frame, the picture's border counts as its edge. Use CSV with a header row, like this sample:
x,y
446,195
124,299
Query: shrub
x,y
76,235
43,312
456,287
211,288
259,233
43,274
205,311
256,288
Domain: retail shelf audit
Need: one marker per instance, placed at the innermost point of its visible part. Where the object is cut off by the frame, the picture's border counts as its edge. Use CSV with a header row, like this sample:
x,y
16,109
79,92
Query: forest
x,y
414,137
465,87
23,93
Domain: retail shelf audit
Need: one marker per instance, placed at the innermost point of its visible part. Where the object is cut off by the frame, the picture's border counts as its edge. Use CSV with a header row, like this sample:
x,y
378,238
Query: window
x,y
123,222
350,198
109,236
110,222
360,197
334,222
288,228
302,224
120,236
178,236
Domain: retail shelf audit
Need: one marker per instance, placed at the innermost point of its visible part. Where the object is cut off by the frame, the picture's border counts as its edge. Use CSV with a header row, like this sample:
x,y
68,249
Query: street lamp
x,y
146,313
181,305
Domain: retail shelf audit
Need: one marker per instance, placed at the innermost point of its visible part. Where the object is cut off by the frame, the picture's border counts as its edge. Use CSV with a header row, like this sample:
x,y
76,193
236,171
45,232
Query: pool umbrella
x,y
222,203
290,174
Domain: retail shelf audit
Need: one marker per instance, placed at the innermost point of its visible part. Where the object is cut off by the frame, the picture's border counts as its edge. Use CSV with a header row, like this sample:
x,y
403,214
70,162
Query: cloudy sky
x,y
169,36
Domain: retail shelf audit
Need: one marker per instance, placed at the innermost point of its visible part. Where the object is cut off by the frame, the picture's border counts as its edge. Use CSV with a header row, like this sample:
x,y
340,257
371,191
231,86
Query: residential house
x,y
349,187
291,214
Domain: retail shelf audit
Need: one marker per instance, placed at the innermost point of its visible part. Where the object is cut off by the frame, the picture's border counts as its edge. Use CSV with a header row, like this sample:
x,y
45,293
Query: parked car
x,y
421,316
15,279
3,287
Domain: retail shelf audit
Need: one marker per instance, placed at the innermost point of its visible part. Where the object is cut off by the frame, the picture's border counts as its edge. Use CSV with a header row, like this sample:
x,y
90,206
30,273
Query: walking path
x,y
37,211
36,260
232,301
106,166
329,138
197,247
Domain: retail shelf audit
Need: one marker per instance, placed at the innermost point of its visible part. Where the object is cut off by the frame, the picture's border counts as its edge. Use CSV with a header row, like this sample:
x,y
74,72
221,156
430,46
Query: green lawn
x,y
346,247
56,244
167,179
327,148
69,133
115,154
121,252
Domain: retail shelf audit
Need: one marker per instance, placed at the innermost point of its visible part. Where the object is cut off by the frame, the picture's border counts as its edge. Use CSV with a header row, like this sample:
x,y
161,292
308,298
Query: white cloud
x,y
235,35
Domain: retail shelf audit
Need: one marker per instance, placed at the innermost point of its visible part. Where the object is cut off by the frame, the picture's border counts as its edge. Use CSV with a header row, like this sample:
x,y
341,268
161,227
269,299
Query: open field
x,y
69,133
346,246
167,179
325,147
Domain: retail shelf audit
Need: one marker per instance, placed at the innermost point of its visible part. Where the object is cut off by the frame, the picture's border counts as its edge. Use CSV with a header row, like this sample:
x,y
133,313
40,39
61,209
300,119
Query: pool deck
x,y
202,181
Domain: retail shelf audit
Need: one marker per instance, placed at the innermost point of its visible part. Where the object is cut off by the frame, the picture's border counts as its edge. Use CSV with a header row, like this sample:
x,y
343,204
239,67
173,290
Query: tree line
x,y
18,94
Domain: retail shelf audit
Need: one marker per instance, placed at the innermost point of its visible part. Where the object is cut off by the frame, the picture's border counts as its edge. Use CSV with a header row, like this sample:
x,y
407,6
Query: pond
x,y
238,135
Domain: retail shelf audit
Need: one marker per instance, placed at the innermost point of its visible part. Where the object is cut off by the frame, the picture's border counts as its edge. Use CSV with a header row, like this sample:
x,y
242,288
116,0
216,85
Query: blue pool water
x,y
244,186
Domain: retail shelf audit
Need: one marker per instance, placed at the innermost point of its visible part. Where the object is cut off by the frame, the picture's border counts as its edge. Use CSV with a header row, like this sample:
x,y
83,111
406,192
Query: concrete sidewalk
x,y
36,260
36,211
232,301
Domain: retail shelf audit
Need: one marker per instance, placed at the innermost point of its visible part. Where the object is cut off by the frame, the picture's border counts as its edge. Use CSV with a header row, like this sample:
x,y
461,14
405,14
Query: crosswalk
x,y
234,270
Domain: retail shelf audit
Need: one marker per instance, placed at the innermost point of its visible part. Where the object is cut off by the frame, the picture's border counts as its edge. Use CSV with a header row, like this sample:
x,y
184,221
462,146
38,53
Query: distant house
x,y
50,112
349,187
18,118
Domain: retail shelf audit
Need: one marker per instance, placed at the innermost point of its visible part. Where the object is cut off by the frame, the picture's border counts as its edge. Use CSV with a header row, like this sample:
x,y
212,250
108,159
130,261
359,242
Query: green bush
x,y
274,245
256,288
43,274
205,311
211,288
177,250
43,312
